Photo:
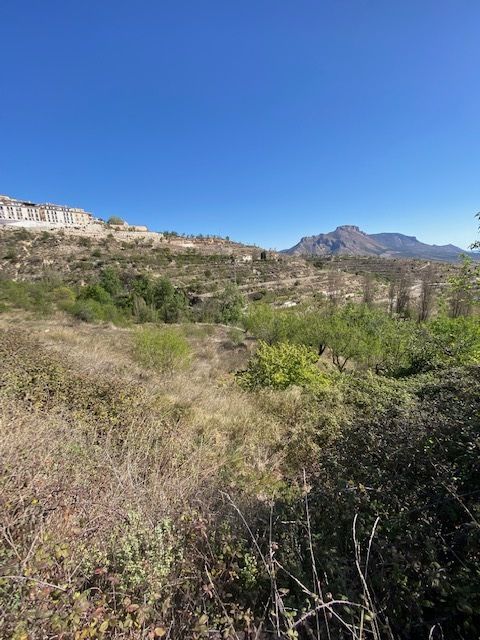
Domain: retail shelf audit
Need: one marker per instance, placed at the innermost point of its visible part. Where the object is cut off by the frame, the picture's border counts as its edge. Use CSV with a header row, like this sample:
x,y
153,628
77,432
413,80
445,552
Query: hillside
x,y
202,267
176,450
350,240
163,481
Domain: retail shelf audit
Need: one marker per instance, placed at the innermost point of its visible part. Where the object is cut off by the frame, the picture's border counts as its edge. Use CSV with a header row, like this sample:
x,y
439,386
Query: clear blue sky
x,y
265,120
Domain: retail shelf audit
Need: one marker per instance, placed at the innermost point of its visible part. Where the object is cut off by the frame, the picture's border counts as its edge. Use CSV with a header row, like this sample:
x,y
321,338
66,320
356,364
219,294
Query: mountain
x,y
350,240
410,247
344,240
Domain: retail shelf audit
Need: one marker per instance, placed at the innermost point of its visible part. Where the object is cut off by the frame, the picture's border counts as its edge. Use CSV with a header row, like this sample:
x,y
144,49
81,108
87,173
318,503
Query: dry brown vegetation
x,y
93,444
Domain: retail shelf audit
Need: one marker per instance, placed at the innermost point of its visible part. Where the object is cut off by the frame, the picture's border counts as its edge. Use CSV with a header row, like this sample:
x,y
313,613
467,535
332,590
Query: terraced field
x,y
201,266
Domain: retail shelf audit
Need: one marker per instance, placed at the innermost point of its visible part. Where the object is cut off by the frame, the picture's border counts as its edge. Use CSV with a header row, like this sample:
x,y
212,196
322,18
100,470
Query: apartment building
x,y
25,213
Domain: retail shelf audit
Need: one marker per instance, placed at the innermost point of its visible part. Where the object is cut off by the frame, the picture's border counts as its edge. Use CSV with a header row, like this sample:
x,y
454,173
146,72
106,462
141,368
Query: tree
x,y
403,286
367,337
231,303
463,288
310,328
272,325
446,342
115,220
368,293
170,302
143,287
110,281
427,293
392,294
335,286
476,244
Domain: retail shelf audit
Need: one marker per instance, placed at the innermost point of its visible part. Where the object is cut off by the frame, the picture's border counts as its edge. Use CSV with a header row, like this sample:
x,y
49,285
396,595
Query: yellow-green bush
x,y
282,365
161,349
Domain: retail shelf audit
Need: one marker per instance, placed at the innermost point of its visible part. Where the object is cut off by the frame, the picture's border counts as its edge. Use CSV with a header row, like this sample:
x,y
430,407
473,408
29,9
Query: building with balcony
x,y
28,214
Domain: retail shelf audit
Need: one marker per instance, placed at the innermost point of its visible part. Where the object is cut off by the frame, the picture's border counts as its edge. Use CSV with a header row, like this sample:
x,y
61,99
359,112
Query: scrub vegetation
x,y
229,469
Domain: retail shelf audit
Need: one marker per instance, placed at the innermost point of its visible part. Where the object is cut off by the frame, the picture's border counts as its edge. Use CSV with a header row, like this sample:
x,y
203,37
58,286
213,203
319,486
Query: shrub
x,y
21,234
11,254
110,281
446,342
82,310
115,220
89,310
36,297
142,312
170,302
236,336
143,554
271,325
418,471
282,365
160,296
164,350
85,241
14,293
95,292
63,295
231,303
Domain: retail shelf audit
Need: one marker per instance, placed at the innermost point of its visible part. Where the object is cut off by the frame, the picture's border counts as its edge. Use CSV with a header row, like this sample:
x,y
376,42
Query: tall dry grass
x,y
94,447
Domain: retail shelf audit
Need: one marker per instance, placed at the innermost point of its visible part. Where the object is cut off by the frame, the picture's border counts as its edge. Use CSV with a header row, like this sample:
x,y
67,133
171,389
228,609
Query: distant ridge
x,y
351,240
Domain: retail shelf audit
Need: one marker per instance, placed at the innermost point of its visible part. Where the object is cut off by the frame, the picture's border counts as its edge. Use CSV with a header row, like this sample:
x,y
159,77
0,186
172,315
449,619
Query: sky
x,y
263,120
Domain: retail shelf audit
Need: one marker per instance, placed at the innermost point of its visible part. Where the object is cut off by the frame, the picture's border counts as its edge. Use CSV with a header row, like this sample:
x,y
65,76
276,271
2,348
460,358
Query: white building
x,y
28,214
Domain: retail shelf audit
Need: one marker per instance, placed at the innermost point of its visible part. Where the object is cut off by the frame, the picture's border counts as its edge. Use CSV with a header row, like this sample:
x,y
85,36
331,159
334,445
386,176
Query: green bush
x,y
417,470
89,310
95,292
282,365
271,325
32,296
142,312
110,281
170,302
15,294
115,220
231,303
143,554
355,335
161,349
160,296
446,342
236,336
63,296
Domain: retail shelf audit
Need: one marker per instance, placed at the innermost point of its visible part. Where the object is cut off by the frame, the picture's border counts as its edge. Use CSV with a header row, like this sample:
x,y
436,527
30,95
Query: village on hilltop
x,y
23,213
61,219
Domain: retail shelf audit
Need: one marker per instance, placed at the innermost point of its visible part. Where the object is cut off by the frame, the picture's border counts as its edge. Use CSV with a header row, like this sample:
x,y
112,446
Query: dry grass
x,y
109,441
138,504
